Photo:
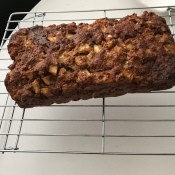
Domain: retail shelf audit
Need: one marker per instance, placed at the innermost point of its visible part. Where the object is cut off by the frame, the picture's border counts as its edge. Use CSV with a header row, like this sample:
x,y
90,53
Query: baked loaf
x,y
108,58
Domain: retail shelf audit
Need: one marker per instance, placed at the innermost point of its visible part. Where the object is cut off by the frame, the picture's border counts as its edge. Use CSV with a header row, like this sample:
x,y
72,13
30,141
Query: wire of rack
x,y
134,124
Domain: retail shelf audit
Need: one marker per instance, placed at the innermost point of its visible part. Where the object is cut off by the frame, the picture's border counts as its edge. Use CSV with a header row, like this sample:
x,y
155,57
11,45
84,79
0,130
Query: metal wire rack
x,y
134,124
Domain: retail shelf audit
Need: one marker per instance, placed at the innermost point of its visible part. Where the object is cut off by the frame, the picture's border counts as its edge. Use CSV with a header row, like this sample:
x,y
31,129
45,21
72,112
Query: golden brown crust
x,y
60,63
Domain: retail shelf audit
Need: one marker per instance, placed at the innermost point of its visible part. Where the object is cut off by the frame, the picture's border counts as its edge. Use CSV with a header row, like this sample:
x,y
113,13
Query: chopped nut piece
x,y
53,69
46,92
121,43
85,71
29,75
129,46
40,59
102,78
47,80
62,58
23,38
162,38
148,22
62,72
36,86
148,51
97,48
89,27
52,38
85,48
69,36
28,43
128,75
170,49
110,43
118,49
109,36
103,29
81,60
83,76
74,67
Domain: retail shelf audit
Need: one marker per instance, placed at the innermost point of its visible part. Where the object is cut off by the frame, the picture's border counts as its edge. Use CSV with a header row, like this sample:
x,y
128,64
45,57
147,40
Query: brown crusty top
x,y
58,62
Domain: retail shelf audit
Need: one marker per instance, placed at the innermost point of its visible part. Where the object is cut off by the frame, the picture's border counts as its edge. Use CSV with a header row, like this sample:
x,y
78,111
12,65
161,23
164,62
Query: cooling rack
x,y
134,124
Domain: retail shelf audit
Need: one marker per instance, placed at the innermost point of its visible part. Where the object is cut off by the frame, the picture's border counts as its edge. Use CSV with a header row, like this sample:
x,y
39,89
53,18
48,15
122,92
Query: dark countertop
x,y
9,6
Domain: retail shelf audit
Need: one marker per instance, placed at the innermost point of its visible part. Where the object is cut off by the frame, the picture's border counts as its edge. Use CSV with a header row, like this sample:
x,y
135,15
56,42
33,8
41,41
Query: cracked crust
x,y
60,63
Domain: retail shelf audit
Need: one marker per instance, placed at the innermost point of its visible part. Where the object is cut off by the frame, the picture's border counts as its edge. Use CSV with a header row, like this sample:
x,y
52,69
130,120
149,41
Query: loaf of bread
x,y
108,58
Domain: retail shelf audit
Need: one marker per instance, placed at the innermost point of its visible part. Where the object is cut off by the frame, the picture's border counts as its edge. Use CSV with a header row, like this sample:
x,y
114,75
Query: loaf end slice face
x,y
108,58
